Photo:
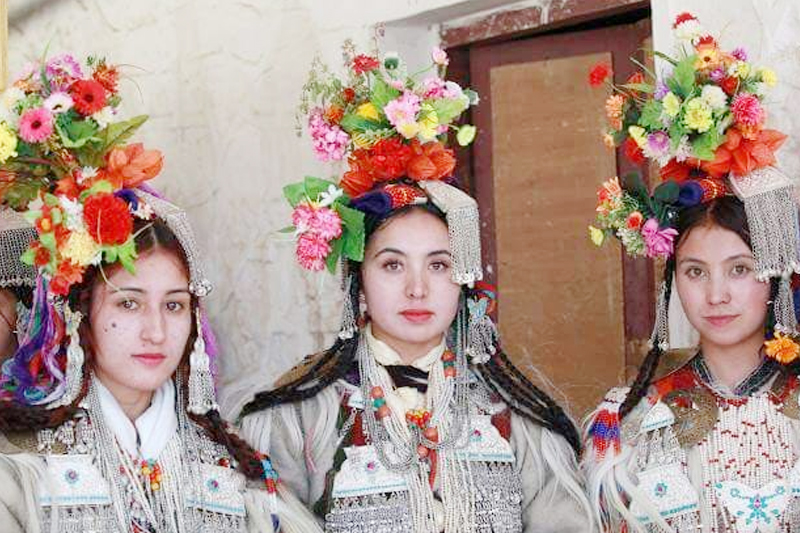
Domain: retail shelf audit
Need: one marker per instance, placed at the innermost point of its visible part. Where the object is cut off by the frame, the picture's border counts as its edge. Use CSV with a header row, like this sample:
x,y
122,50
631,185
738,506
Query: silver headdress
x,y
463,222
16,234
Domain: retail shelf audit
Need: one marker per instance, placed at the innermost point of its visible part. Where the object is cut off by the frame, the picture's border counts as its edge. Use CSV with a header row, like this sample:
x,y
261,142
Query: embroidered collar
x,y
751,384
386,356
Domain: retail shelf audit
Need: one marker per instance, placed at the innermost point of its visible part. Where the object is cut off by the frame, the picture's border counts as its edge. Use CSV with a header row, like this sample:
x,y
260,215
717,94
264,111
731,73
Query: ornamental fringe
x,y
73,379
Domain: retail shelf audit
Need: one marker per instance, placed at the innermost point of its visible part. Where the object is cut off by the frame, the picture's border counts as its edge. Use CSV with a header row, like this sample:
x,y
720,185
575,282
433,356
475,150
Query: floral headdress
x,y
391,128
704,124
65,162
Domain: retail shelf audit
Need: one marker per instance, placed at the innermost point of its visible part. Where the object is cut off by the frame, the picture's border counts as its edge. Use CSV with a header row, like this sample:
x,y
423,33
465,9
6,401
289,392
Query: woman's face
x,y
141,323
718,289
411,299
8,323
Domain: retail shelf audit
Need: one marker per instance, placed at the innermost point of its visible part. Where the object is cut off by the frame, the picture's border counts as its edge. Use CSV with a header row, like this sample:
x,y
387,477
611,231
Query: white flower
x,y
144,211
8,102
684,150
73,212
714,97
59,102
104,117
689,31
86,173
329,197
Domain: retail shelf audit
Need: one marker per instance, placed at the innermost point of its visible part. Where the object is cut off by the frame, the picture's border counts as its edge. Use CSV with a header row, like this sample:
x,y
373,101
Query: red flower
x,y
363,63
107,77
707,40
729,85
41,256
430,161
89,96
632,151
403,195
359,178
598,74
108,219
348,94
334,114
389,159
683,17
67,275
636,77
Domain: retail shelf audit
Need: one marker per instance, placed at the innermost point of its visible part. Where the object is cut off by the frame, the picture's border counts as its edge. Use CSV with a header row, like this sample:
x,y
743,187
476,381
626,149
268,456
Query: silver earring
x,y
202,398
349,324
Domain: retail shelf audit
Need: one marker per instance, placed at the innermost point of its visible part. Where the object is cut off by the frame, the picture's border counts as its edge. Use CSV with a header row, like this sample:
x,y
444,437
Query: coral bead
x,y
450,372
431,433
382,412
422,451
376,392
448,356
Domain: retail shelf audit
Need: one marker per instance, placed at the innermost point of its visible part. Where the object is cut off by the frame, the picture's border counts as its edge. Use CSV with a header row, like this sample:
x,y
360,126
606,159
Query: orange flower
x,y
334,114
614,105
635,220
708,54
67,275
132,165
430,161
782,348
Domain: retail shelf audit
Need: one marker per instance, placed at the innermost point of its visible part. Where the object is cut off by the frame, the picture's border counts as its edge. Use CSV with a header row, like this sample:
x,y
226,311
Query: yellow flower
x,y
8,143
80,248
698,115
671,104
408,130
740,69
769,77
597,235
637,133
782,348
428,123
368,111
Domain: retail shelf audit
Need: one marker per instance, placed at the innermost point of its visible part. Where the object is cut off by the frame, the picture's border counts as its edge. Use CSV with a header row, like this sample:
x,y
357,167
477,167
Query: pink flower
x,y
311,251
659,242
330,141
433,87
326,223
302,216
403,110
747,109
36,125
61,71
439,57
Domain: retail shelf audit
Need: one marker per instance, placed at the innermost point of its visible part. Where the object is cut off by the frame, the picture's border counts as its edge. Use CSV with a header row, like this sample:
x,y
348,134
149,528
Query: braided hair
x,y
339,362
18,417
728,213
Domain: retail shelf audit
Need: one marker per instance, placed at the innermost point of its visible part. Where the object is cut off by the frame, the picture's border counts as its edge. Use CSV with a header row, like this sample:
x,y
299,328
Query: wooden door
x,y
578,314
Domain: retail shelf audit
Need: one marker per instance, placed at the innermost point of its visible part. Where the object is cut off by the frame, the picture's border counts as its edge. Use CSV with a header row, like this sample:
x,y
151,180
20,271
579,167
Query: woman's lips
x,y
417,316
150,359
720,320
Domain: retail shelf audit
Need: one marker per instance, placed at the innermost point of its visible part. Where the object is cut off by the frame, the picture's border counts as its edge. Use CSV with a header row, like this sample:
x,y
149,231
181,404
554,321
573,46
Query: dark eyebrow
x,y
142,291
399,252
731,258
440,252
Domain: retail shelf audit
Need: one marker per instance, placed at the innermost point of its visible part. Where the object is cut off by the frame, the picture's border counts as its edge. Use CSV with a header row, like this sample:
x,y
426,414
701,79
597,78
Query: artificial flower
x,y
608,140
714,97
403,109
73,213
62,71
104,117
36,125
698,115
433,87
108,219
389,159
330,141
81,249
364,63
768,77
657,146
368,111
688,28
130,166
428,123
708,54
88,96
408,130
430,161
326,223
439,57
782,348
746,109
614,105
596,235
68,274
8,143
634,220
58,102
301,217
658,241
739,53
638,134
106,75
730,84
739,69
661,90
599,73
632,151
671,104
311,251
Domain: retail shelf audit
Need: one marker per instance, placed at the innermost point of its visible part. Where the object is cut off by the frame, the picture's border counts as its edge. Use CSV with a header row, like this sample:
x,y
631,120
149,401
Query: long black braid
x,y
727,212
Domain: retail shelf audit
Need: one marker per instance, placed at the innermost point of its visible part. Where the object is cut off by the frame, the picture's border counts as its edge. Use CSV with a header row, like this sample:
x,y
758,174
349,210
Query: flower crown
x,y
391,128
702,123
63,159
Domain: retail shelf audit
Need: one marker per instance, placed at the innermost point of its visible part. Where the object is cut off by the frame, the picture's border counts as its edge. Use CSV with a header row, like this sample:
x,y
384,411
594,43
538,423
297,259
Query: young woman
x,y
712,446
108,405
414,420
16,279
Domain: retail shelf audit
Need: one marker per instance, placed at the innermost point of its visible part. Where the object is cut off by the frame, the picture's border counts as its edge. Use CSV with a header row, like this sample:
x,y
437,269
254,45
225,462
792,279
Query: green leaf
x,y
56,216
109,137
97,187
677,131
706,144
353,234
472,96
683,76
75,134
294,193
28,257
127,255
382,93
287,229
337,245
667,192
448,109
315,186
665,57
353,123
48,240
651,115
